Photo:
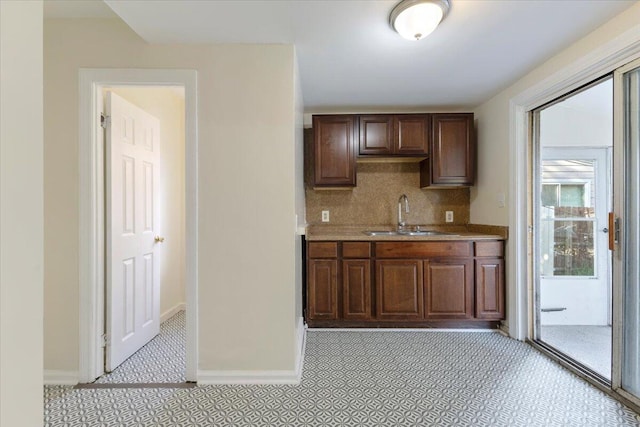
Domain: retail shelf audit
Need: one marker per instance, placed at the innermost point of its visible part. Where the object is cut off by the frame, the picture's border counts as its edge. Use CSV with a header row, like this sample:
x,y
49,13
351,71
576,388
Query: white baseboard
x,y
262,377
301,341
55,377
172,311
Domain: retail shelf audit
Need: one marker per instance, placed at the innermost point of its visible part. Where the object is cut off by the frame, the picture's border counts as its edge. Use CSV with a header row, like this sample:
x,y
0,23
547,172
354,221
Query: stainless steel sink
x,y
407,233
381,233
426,233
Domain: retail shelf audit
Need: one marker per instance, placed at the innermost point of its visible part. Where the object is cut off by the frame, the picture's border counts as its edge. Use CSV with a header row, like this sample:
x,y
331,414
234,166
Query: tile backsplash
x,y
375,199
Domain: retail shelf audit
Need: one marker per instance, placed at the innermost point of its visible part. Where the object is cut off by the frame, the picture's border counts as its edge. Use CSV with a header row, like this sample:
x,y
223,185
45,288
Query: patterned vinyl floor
x,y
359,378
161,360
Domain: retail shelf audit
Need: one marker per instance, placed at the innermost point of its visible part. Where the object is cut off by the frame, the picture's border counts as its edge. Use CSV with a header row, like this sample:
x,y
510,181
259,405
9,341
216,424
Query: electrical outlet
x,y
448,216
325,216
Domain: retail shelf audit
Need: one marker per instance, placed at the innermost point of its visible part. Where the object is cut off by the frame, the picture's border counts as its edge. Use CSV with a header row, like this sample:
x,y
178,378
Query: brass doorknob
x,y
159,239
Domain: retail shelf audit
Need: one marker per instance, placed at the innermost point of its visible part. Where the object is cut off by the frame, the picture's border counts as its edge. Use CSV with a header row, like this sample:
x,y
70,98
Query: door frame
x,y
620,170
92,217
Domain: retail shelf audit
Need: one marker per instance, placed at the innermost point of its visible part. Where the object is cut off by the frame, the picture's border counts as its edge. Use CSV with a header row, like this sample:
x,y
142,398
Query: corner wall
x,y
246,203
21,213
299,195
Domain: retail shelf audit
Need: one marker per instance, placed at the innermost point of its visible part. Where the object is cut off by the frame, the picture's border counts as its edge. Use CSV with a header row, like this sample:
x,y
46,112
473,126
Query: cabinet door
x,y
356,289
490,288
449,289
412,134
452,149
334,152
399,290
322,289
376,134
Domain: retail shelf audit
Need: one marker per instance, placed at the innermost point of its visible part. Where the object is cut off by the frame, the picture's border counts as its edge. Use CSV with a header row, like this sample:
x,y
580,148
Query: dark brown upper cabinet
x,y
394,134
453,151
447,140
334,162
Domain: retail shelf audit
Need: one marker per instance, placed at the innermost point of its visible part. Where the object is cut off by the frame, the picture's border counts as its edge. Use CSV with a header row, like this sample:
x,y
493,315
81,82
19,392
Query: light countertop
x,y
357,233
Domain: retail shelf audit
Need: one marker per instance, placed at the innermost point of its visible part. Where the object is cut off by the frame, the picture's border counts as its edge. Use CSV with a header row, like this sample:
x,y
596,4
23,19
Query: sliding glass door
x,y
585,199
574,140
626,378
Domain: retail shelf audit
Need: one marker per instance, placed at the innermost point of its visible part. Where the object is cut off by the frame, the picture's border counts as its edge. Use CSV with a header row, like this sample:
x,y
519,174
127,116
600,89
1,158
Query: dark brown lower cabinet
x,y
322,288
399,289
489,288
405,284
449,289
356,289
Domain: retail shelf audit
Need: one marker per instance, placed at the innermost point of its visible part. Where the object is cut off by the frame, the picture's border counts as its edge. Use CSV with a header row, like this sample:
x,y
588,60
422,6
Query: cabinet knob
x,y
159,239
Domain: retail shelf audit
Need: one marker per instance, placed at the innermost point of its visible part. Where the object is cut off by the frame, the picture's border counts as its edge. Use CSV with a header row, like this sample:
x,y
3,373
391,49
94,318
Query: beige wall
x,y
246,202
493,120
167,105
21,213
375,199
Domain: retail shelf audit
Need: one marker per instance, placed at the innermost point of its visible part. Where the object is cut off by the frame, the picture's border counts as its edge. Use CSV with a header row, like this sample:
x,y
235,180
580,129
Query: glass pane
x,y
572,195
573,248
573,212
573,297
631,321
550,195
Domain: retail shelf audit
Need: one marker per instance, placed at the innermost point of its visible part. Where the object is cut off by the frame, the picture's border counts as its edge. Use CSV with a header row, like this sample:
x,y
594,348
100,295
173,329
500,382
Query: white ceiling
x,y
350,58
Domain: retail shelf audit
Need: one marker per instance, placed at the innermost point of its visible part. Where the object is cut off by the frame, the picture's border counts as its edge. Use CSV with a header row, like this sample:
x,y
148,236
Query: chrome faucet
x,y
402,222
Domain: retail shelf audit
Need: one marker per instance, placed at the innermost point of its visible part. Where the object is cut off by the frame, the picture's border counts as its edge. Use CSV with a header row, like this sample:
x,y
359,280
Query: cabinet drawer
x,y
322,250
356,249
423,249
492,249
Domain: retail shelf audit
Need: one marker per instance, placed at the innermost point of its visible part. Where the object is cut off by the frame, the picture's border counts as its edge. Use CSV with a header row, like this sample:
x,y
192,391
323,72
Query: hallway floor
x,y
161,360
360,378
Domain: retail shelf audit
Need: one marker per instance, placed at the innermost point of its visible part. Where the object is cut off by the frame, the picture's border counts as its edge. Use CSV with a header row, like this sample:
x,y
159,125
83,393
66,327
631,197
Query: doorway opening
x,y
144,310
94,225
573,140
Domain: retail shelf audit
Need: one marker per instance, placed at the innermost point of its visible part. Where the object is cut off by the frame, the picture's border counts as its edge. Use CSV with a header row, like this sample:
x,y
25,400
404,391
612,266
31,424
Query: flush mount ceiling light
x,y
415,19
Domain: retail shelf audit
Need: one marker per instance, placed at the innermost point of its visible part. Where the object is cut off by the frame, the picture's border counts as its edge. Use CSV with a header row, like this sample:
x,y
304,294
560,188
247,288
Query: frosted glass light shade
x,y
415,19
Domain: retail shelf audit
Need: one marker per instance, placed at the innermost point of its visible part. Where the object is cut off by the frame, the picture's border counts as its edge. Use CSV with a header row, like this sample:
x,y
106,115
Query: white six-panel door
x,y
132,279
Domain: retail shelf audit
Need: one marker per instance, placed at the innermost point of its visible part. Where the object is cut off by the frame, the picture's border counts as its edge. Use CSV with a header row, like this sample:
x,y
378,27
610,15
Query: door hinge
x,y
105,121
105,340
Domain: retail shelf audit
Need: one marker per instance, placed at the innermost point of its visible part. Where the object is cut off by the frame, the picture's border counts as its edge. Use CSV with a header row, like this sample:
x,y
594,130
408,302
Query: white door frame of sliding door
x,y
91,200
620,174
